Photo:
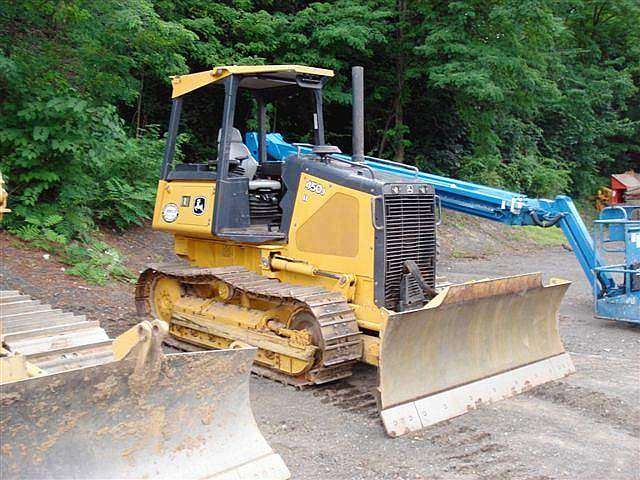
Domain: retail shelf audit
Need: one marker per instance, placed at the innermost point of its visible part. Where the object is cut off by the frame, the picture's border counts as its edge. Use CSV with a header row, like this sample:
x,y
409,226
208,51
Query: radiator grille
x,y
410,234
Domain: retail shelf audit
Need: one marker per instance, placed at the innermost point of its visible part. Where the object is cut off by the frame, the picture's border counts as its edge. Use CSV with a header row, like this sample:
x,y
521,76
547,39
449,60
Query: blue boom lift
x,y
616,287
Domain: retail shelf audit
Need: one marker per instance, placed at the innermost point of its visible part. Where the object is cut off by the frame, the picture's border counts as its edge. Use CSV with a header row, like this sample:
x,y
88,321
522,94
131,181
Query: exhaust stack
x,y
357,101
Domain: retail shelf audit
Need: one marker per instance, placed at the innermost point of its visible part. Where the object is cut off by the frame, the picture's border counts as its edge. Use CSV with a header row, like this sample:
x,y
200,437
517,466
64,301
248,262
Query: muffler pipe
x,y
357,101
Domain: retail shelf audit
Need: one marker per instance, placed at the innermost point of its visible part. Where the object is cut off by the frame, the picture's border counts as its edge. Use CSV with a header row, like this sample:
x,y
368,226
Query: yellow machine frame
x,y
296,261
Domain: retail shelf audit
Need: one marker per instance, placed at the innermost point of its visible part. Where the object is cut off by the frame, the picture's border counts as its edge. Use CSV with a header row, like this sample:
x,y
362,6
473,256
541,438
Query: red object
x,y
625,187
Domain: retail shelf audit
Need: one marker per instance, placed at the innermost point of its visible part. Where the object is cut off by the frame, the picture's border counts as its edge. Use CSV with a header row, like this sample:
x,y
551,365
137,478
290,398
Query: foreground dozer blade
x,y
175,416
473,343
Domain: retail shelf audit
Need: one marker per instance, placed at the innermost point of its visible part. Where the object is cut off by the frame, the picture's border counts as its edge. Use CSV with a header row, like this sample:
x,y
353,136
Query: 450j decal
x,y
314,187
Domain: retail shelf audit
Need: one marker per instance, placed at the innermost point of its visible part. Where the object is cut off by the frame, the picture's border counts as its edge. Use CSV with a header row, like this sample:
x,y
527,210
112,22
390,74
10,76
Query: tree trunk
x,y
385,136
139,106
400,74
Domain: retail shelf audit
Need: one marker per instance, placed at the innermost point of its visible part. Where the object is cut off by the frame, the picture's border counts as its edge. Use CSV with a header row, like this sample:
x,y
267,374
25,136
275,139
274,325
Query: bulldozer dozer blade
x,y
185,416
473,343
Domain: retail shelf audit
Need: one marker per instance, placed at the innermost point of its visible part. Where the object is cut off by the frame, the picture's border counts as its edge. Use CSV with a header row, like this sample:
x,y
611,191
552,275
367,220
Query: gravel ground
x,y
586,426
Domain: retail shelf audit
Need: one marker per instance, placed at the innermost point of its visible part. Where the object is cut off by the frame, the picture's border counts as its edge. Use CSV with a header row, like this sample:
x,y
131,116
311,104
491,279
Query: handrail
x,y
356,164
385,161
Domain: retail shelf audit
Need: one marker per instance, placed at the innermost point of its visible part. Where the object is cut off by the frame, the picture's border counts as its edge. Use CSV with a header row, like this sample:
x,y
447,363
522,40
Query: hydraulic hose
x,y
410,266
539,222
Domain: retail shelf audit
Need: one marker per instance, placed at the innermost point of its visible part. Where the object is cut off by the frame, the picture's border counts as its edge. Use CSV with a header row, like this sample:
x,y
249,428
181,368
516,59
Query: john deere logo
x,y
199,204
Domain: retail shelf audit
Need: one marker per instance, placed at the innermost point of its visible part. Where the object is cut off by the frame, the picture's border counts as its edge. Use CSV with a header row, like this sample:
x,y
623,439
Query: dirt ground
x,y
586,426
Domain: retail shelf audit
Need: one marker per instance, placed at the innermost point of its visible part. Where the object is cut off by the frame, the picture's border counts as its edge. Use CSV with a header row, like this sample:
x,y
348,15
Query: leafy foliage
x,y
70,163
69,158
97,262
538,96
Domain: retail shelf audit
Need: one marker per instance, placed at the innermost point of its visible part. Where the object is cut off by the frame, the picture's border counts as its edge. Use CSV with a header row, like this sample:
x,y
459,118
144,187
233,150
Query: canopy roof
x,y
255,77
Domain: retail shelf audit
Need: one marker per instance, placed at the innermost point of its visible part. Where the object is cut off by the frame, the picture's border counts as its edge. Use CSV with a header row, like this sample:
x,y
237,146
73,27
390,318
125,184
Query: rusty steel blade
x,y
472,344
188,416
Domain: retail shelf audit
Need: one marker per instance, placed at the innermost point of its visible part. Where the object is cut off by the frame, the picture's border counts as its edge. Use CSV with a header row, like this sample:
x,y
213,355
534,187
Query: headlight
x,y
170,212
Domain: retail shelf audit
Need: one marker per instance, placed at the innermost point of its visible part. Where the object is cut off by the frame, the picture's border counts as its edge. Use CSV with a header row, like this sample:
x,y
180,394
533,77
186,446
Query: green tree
x,y
537,96
65,67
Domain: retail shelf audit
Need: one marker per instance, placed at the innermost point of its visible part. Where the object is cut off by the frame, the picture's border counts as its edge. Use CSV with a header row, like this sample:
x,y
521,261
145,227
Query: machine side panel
x,y
329,215
295,167
316,199
192,204
331,230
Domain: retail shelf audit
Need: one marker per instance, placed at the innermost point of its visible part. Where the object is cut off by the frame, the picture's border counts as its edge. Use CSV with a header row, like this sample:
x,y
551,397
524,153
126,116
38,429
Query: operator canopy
x,y
255,77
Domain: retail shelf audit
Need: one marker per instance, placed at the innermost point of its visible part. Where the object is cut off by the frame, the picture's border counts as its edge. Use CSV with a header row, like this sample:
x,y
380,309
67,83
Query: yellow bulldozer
x,y
77,404
321,262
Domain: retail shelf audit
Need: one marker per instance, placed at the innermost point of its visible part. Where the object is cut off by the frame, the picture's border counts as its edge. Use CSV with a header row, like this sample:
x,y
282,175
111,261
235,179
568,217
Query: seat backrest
x,y
240,152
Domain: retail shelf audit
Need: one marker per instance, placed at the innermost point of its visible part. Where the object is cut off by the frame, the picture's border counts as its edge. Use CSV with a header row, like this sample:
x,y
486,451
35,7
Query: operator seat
x,y
243,164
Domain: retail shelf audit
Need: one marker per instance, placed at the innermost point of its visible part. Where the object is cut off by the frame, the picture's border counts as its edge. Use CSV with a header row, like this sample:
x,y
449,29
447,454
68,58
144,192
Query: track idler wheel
x,y
164,294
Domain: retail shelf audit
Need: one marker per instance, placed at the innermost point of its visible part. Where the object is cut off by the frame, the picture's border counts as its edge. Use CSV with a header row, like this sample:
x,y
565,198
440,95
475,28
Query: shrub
x,y
69,163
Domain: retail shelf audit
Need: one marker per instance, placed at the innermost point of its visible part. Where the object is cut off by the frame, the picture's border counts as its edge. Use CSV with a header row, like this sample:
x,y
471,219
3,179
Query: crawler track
x,y
339,342
49,338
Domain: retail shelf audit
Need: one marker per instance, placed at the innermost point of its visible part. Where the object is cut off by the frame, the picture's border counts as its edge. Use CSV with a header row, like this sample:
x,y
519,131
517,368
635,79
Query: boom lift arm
x,y
617,299
482,201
